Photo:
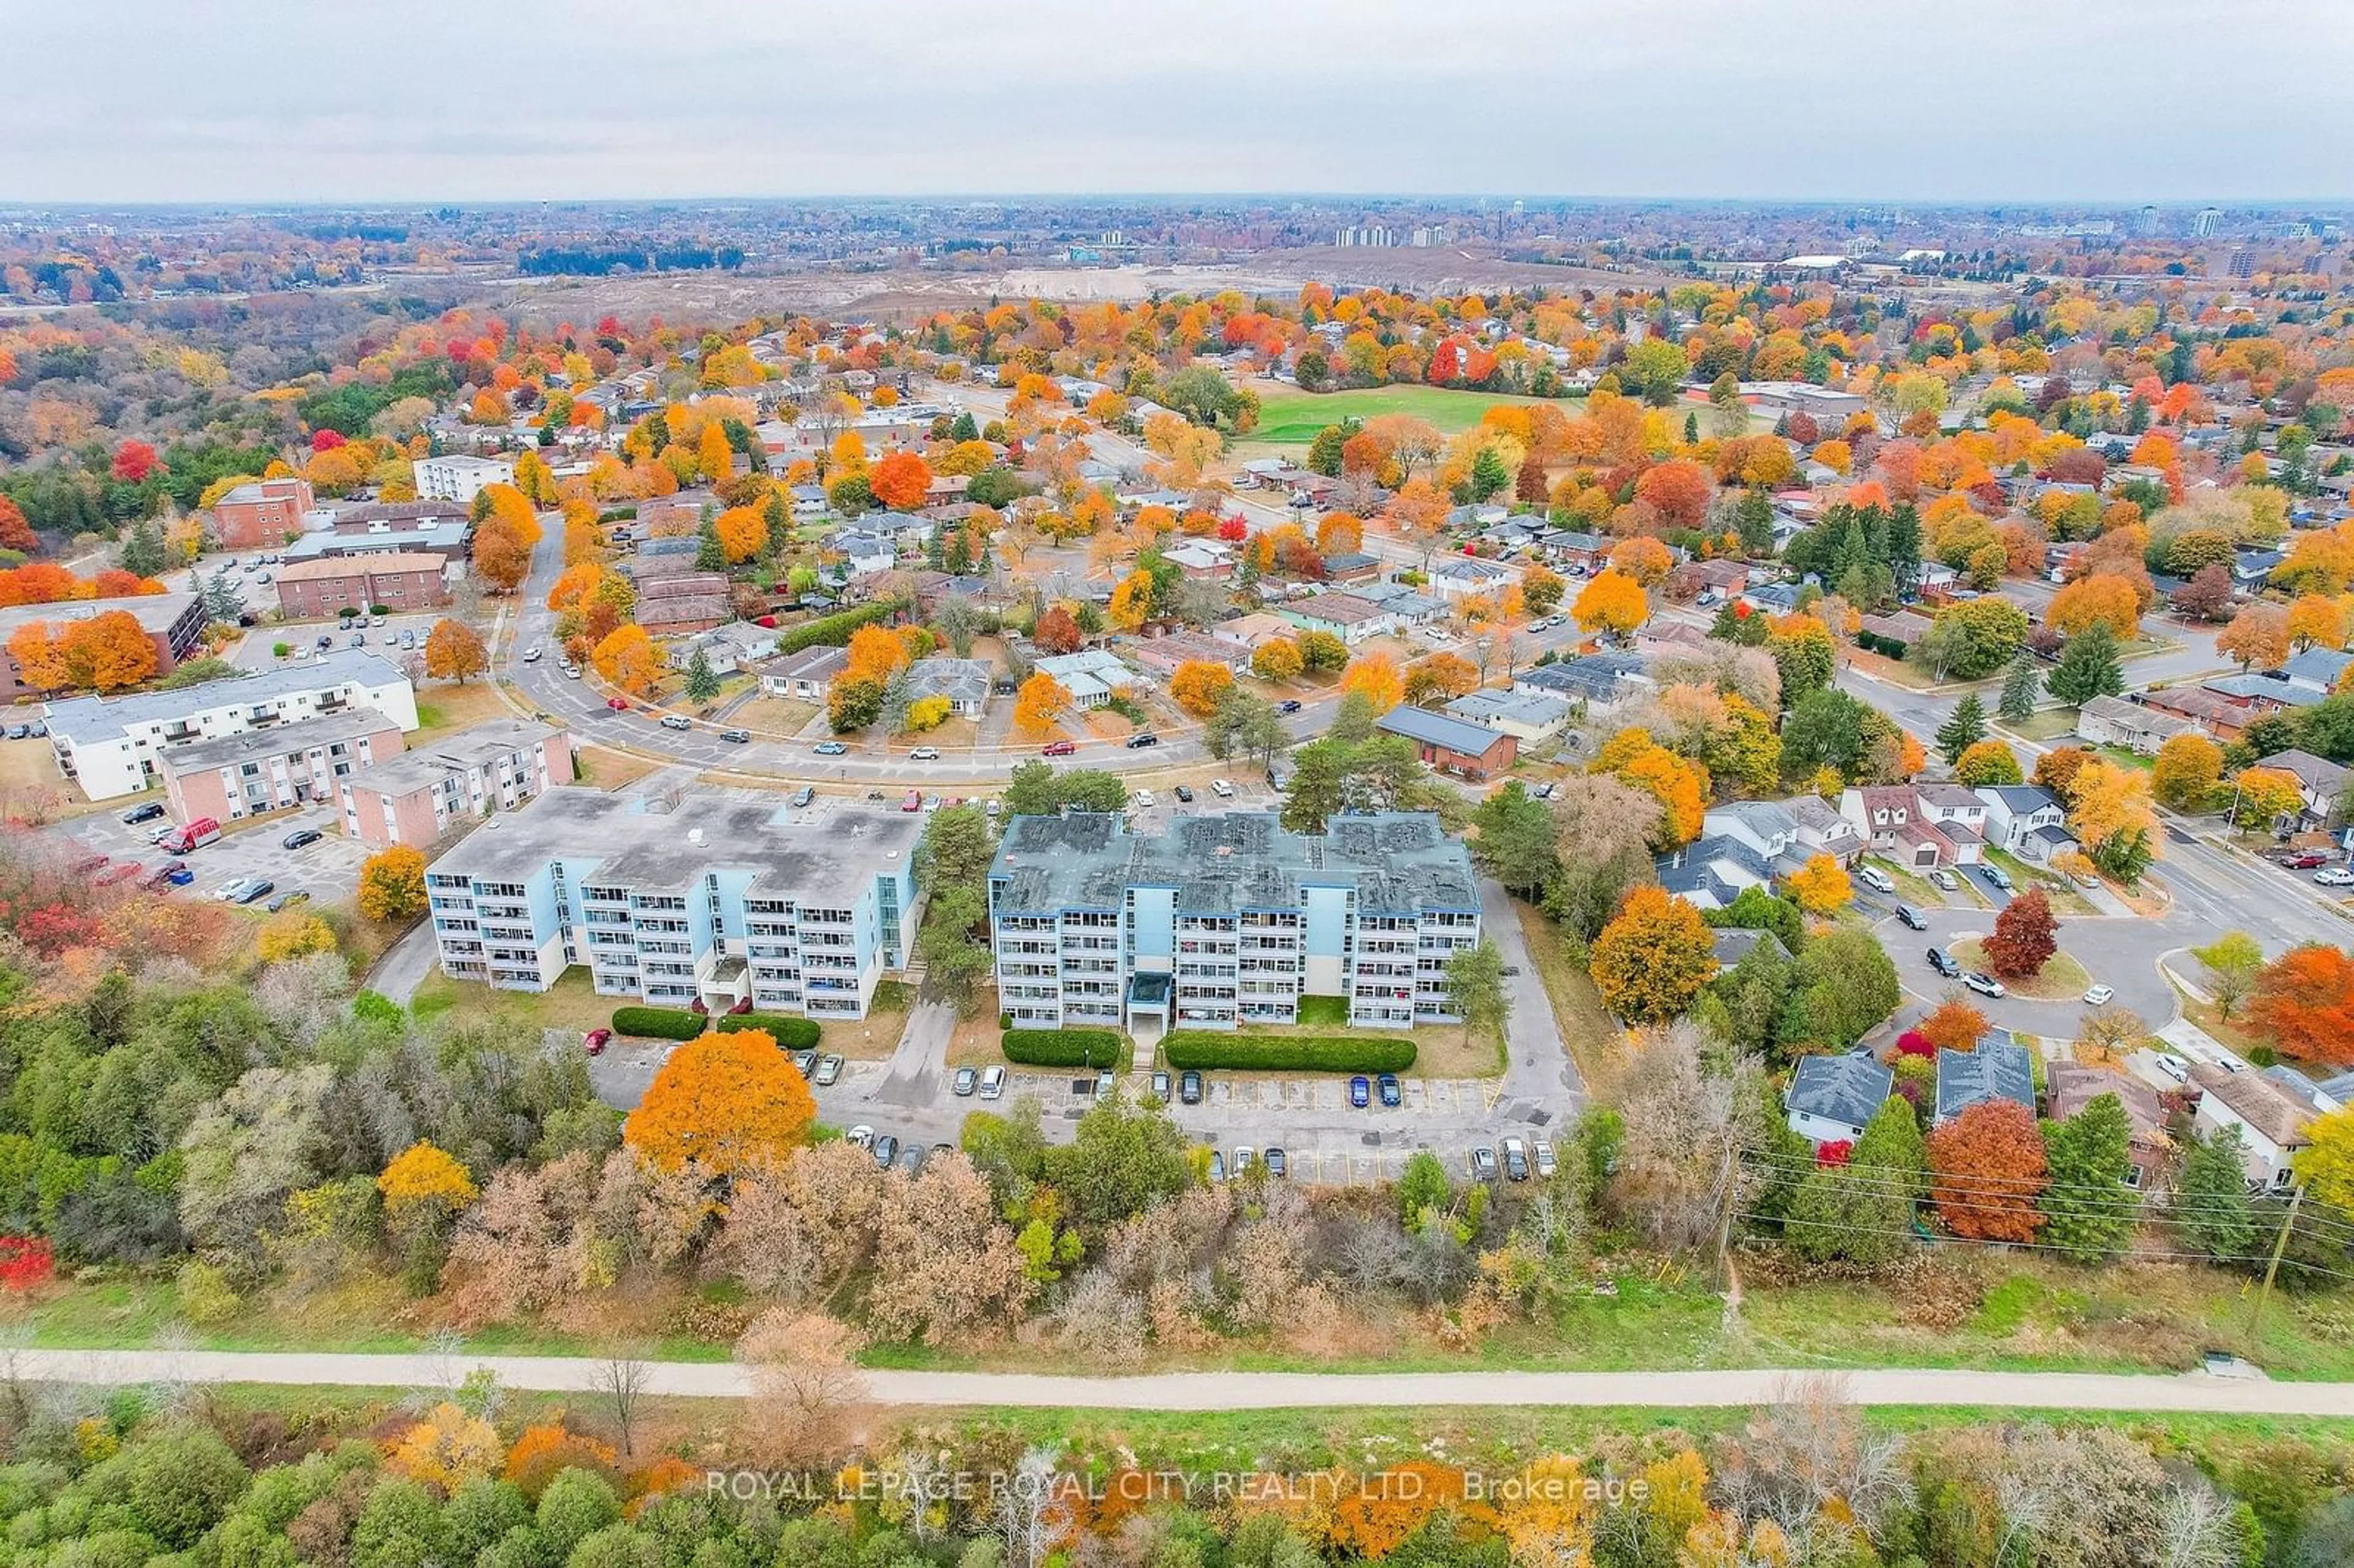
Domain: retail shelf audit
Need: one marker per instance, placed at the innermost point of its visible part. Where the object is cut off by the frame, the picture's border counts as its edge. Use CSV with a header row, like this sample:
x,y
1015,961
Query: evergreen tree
x,y
780,519
702,680
1903,545
1691,429
2020,688
710,555
2087,1206
1965,728
1320,781
2210,1198
1489,474
224,601
1863,1210
1324,452
2088,668
964,430
1753,517
143,552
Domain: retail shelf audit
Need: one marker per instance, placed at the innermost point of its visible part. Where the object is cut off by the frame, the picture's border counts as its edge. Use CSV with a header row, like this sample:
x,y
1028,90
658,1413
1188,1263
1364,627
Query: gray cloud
x,y
435,100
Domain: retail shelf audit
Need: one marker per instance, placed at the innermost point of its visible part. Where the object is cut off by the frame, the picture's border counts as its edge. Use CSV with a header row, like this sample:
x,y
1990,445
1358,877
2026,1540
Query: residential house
x,y
1254,631
1453,745
1572,547
461,478
2317,669
2318,781
865,553
803,676
964,682
1896,633
1997,1070
1352,566
1831,1100
1092,676
1161,655
1455,578
2264,693
1532,716
1602,681
2200,708
1731,944
1771,599
1203,560
2070,1088
1711,872
2130,723
1896,823
736,646
1956,812
1405,606
2027,821
1344,615
2271,1120
1725,579
1791,832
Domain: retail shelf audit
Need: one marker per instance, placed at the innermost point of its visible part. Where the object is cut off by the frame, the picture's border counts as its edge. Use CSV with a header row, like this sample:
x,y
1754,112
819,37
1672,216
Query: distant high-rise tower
x,y
2205,223
2147,223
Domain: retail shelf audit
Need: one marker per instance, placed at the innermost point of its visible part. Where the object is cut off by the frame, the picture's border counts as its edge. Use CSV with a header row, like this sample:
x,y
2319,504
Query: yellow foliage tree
x,y
1375,677
743,534
392,884
1199,686
627,658
1277,659
453,651
1612,602
447,1449
1131,602
423,1174
293,935
727,1101
874,654
1820,886
926,713
1042,702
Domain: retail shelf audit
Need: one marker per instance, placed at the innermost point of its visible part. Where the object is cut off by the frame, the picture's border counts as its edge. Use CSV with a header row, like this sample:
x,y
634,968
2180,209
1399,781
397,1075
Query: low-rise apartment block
x,y
174,622
275,769
1226,920
114,746
414,797
461,477
405,579
262,511
720,897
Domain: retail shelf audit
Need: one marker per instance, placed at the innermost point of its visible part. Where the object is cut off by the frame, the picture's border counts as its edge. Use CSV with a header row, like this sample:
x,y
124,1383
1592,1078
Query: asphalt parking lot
x,y
327,870
257,651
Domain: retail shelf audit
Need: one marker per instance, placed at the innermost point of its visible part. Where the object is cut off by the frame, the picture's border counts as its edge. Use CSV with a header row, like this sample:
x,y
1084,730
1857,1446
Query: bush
x,y
1288,1053
790,1034
658,1023
834,630
1062,1048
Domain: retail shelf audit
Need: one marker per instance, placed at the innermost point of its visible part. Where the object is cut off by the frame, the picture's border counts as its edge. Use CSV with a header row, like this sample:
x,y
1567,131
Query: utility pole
x,y
1724,1221
2272,1267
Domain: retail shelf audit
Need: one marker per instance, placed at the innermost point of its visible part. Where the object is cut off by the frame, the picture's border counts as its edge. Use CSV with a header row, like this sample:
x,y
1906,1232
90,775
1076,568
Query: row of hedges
x,y
682,1023
1198,1048
1873,643
1062,1048
834,631
791,1034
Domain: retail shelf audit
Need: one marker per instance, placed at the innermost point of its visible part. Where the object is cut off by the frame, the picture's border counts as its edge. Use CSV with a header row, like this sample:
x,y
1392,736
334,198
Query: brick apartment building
x,y
261,512
413,798
273,770
174,622
401,580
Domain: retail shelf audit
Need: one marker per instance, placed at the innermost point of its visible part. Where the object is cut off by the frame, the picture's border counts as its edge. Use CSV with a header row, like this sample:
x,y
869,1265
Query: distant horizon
x,y
971,198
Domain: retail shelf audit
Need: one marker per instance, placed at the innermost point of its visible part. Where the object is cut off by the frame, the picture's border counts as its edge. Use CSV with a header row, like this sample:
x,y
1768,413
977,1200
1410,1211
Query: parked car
x,y
596,1040
2099,996
1516,1159
407,637
1145,798
1185,793
805,1062
571,670
1911,916
1139,742
359,640
830,749
1361,1091
912,801
1188,1087
737,737
1223,789
1942,879
1983,983
861,1135
2172,1066
1546,1164
1871,876
1217,1165
1391,1094
287,901
1275,1163
300,837
1997,876
323,642
246,890
968,1079
676,721
992,1082
805,794
885,1150
2333,876
925,754
829,1070
531,654
171,873
1161,1085
1943,963
2305,860
1241,1162
1483,1164
912,1158
147,812
1058,748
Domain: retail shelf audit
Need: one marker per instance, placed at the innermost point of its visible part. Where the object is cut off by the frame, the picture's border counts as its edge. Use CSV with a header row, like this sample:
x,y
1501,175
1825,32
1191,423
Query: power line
x,y
2060,1248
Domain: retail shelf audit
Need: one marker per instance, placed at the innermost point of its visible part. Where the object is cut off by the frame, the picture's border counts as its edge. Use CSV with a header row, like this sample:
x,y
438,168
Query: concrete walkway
x,y
1233,1390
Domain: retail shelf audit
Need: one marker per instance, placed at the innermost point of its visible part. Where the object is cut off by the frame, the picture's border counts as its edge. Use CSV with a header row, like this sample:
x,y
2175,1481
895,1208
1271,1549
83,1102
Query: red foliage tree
x,y
1838,1151
2304,1001
1986,1172
326,441
1913,1043
2025,936
16,534
1678,492
134,460
1233,530
1058,631
24,1262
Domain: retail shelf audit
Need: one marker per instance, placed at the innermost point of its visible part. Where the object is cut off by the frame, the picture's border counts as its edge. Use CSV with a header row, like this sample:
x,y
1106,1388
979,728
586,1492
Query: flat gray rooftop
x,y
639,845
90,719
1399,861
483,744
270,740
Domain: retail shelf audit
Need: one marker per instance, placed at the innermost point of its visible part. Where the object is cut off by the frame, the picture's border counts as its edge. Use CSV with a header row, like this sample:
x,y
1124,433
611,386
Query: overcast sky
x,y
2126,101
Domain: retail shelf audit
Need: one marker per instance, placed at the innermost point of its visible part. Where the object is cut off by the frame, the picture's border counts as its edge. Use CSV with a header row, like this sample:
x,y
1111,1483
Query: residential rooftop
x,y
153,611
483,745
271,740
87,720
1399,863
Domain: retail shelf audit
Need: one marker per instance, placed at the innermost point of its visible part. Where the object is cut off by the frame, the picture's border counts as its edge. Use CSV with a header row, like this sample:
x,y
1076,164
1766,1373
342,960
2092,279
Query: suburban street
x,y
2196,1391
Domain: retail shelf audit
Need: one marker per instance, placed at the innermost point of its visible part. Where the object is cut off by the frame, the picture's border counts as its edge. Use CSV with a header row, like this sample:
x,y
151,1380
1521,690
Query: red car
x,y
914,802
2306,860
617,704
596,1040
1060,748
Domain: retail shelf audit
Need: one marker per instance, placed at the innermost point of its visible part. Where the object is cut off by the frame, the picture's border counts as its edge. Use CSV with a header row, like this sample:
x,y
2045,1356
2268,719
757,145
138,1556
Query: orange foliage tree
x,y
1375,677
627,658
1612,602
542,1453
1952,1025
727,1101
1820,886
2304,1001
1986,1172
899,481
743,534
1043,701
2102,600
453,651
1199,686
875,655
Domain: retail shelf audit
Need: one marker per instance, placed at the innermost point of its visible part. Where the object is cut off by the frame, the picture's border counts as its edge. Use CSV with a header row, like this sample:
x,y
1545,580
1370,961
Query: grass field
x,y
1292,419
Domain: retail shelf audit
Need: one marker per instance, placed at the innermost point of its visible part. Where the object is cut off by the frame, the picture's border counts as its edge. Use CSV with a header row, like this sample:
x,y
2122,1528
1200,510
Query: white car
x,y
1223,789
2099,996
2333,876
925,754
531,655
571,670
860,1135
1871,876
992,1082
1144,797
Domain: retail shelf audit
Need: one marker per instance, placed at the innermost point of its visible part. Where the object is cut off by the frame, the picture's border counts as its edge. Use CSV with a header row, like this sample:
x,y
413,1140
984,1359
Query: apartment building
x,y
413,799
1224,920
459,477
262,512
403,580
717,897
174,622
113,746
274,768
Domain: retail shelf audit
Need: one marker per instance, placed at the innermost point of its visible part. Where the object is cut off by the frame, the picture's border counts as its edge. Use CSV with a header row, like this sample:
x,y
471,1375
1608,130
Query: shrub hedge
x,y
1200,1048
1062,1048
791,1034
834,631
658,1023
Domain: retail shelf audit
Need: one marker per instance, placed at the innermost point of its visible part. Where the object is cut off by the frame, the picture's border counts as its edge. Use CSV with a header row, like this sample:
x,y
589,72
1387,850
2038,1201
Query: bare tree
x,y
1030,1510
620,1382
2194,1529
807,1390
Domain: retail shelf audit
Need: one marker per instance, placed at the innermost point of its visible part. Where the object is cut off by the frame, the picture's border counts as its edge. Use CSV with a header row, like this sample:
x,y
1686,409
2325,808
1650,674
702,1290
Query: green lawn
x,y
2051,723
572,1003
1292,419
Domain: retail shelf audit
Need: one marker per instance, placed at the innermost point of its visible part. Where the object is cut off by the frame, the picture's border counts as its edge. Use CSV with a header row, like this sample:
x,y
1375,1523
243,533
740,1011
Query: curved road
x,y
1230,1390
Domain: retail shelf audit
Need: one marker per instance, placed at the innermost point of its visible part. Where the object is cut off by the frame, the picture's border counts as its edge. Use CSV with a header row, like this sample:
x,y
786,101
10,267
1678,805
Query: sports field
x,y
1291,419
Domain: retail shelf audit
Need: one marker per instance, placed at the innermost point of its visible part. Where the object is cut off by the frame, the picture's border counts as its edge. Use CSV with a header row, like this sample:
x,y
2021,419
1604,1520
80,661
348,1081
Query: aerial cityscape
x,y
1174,861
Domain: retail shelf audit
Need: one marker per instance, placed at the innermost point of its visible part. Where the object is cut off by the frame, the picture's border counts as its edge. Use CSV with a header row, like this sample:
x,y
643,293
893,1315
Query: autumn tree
x,y
1439,678
742,533
1611,602
2111,813
290,934
1820,886
2303,1000
1056,631
453,651
2025,936
447,1449
1041,703
2263,796
1651,960
727,1101
2257,637
1198,685
2103,599
106,652
2325,1165
1986,1173
1543,589
1321,652
1644,558
1990,762
2188,770
1277,659
2233,960
1375,677
1952,1025
627,659
1131,602
392,884
899,480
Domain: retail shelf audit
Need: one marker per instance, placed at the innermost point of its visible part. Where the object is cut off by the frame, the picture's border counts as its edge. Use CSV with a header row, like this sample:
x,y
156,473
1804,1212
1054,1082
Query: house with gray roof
x,y
2027,819
1531,716
1452,745
2318,781
1602,681
1997,1070
964,682
1092,676
1832,1099
2317,669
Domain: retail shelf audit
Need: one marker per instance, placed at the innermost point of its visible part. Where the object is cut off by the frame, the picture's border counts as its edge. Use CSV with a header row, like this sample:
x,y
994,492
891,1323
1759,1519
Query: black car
x,y
1911,916
146,813
1391,1094
1188,1087
1275,1163
735,737
1185,793
1943,962
967,1080
1139,742
287,901
1288,706
300,837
